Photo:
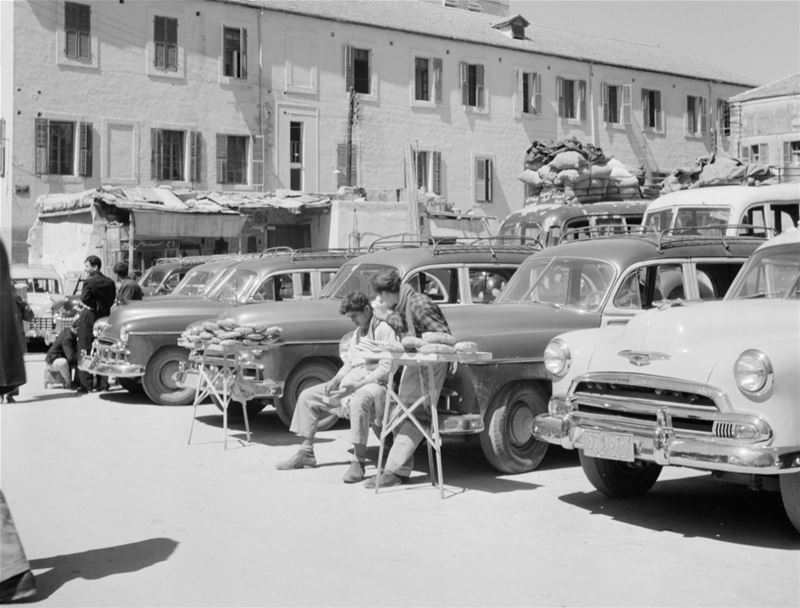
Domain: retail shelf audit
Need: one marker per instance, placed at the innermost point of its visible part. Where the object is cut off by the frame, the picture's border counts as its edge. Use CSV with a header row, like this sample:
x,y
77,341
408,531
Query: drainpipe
x,y
590,101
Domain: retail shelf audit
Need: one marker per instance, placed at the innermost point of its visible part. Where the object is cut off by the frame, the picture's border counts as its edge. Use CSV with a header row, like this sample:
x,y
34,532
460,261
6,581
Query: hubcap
x,y
521,424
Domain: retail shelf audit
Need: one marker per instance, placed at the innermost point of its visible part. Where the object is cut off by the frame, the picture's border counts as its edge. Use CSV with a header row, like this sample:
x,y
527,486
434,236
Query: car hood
x,y
689,341
300,320
160,314
513,331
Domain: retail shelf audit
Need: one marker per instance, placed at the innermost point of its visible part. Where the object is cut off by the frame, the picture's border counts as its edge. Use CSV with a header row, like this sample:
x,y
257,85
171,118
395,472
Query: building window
x,y
357,70
472,89
755,153
165,38
168,148
483,180
791,153
724,117
77,27
57,148
231,159
571,98
652,116
234,52
429,171
695,116
529,92
427,79
296,155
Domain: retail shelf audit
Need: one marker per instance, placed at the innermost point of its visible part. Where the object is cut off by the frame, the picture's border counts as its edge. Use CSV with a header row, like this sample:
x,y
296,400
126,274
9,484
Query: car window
x,y
486,283
669,283
659,220
646,286
286,286
632,290
303,287
266,291
326,276
439,284
714,278
773,272
785,215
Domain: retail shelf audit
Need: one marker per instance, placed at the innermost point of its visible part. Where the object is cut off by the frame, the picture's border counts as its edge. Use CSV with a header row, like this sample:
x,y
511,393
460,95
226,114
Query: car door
x,y
643,286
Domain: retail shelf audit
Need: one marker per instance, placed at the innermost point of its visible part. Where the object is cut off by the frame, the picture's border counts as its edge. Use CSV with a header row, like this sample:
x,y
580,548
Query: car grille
x,y
42,324
645,399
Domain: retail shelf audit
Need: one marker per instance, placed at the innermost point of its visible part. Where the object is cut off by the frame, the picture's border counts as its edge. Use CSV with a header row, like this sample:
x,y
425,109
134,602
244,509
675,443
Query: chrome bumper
x,y
248,383
665,445
110,360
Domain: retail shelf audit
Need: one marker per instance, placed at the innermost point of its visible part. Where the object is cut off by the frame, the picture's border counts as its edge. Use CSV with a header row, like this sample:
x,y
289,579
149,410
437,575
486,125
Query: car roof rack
x,y
189,259
493,245
713,235
604,230
401,239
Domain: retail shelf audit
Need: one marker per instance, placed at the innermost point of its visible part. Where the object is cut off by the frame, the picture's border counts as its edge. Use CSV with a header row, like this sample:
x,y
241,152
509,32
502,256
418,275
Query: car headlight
x,y
123,335
753,372
557,358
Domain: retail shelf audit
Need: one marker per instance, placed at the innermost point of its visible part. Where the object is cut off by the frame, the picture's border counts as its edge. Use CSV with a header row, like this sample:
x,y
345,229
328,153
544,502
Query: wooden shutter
x,y
560,95
659,115
604,101
519,98
646,109
437,80
745,154
537,93
489,180
483,180
243,67
690,111
763,154
627,95
787,151
195,155
85,156
42,129
71,26
349,76
222,157
703,116
464,76
480,90
156,145
159,42
581,100
2,147
437,172
258,162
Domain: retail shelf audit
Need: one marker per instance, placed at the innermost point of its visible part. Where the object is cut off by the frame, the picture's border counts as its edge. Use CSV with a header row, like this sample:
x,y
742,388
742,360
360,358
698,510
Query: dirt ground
x,y
115,510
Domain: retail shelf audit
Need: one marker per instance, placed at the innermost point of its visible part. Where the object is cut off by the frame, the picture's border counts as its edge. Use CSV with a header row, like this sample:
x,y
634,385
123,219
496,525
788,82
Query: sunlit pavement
x,y
115,510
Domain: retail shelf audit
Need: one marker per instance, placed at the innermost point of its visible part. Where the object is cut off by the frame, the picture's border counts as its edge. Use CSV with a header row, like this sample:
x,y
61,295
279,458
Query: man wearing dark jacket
x,y
128,288
62,356
97,296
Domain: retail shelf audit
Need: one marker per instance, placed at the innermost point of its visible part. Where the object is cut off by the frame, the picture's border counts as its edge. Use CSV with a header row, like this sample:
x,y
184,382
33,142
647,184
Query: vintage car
x,y
713,387
163,276
453,275
580,284
753,210
549,224
43,287
137,343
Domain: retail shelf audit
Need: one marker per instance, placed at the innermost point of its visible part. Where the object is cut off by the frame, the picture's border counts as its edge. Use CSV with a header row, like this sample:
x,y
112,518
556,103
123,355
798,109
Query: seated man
x,y
62,357
357,391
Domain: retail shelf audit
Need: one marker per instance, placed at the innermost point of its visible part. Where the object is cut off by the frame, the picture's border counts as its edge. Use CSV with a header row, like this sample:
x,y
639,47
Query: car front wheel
x,y
790,495
160,378
618,479
507,440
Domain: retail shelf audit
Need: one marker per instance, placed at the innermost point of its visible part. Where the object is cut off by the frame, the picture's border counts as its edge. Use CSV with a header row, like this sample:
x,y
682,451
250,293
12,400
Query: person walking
x,y
127,289
97,297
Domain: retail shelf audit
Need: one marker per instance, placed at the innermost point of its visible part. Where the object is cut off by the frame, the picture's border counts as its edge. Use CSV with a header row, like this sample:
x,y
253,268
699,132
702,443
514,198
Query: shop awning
x,y
174,224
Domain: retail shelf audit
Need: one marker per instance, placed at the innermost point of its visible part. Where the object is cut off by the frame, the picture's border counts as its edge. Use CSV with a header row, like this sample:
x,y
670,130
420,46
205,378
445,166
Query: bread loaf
x,y
412,342
438,337
466,347
441,349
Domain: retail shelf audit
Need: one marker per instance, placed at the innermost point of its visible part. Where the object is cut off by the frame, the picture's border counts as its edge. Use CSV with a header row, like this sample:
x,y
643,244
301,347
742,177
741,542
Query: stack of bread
x,y
227,332
437,342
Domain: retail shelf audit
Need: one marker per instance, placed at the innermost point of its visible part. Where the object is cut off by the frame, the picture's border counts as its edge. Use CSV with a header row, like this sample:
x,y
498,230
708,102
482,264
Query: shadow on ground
x,y
99,563
700,507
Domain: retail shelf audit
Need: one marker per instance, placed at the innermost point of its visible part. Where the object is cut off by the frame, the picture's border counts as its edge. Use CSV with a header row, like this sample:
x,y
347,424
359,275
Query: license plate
x,y
611,446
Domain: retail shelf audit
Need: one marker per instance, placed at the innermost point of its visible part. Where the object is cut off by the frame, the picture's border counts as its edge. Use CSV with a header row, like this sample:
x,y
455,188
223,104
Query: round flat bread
x,y
439,337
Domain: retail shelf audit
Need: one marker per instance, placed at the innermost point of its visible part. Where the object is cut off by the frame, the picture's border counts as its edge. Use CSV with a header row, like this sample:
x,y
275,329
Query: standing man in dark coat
x,y
97,296
12,362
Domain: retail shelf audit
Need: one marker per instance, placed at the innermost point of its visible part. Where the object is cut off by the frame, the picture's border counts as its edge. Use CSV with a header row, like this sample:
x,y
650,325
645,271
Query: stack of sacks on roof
x,y
582,171
717,170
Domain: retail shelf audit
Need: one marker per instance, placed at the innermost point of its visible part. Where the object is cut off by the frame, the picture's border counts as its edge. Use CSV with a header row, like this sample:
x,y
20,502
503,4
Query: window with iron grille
x,y
77,27
58,149
232,159
483,180
168,154
234,52
472,87
165,38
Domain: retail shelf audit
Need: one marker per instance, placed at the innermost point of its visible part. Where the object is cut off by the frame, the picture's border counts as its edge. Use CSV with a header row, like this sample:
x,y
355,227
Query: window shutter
x,y
763,154
437,172
479,88
581,99
604,101
85,158
745,154
646,109
464,83
688,116
437,80
489,184
348,67
159,60
2,147
155,158
703,116
195,155
537,93
787,150
519,98
560,95
41,146
243,69
627,94
342,178
658,113
222,157
258,161
480,180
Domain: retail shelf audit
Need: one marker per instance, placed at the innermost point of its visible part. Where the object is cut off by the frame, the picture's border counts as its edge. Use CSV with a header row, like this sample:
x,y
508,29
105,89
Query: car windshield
x,y
353,277
195,282
578,283
773,272
688,218
235,286
153,277
38,285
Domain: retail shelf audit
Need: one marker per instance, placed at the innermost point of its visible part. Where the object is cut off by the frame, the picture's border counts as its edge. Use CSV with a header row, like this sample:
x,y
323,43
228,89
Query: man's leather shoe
x,y
19,587
388,479
301,460
355,473
80,391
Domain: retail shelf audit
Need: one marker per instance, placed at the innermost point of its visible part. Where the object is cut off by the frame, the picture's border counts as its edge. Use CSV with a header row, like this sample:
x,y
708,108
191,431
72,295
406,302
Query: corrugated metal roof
x,y
790,85
455,24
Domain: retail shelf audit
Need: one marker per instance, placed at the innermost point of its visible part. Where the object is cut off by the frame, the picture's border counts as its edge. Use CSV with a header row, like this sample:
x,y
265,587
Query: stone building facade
x,y
244,95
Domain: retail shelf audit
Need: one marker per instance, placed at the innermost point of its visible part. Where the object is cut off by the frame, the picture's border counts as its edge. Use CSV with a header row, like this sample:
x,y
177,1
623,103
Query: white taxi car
x,y
712,386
